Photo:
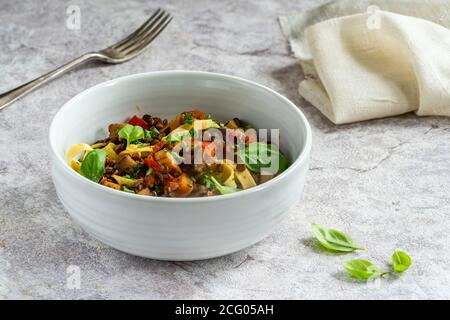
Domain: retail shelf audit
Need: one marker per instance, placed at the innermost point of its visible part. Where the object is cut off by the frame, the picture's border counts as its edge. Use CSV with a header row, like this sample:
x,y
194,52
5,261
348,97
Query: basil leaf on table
x,y
257,156
400,261
93,166
131,133
334,240
362,269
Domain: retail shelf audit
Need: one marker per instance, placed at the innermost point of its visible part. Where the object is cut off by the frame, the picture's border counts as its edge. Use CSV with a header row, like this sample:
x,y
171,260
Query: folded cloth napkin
x,y
372,59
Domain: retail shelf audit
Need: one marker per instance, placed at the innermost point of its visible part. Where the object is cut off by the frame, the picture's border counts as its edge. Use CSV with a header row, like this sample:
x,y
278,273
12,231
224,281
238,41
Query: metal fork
x,y
119,52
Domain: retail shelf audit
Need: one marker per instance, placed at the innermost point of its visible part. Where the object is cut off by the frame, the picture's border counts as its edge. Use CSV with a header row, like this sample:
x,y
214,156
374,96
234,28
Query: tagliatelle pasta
x,y
75,153
192,155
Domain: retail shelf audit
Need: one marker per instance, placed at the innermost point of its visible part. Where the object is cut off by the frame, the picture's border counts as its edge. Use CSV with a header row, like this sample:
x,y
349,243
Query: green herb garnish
x,y
131,133
207,181
400,261
334,240
177,136
125,189
149,172
362,269
187,118
192,132
258,157
158,190
149,134
221,188
93,166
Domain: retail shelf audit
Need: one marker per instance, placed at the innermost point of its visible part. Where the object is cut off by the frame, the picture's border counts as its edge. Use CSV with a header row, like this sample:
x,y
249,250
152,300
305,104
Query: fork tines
x,y
145,34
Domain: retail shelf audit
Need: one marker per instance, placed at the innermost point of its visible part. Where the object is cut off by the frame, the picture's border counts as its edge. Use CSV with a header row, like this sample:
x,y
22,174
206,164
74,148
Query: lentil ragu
x,y
151,156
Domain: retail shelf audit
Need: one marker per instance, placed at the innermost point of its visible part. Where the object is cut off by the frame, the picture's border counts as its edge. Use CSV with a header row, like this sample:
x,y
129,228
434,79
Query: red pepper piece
x,y
136,121
151,163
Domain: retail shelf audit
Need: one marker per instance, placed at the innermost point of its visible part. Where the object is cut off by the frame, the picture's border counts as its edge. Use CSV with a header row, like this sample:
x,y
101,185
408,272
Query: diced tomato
x,y
173,185
150,181
250,138
158,146
197,114
209,148
136,121
151,163
235,132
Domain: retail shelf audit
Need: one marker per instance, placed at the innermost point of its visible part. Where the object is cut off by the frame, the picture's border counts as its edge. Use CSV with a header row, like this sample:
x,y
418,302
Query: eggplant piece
x,y
165,158
126,164
185,186
233,124
114,131
265,177
145,192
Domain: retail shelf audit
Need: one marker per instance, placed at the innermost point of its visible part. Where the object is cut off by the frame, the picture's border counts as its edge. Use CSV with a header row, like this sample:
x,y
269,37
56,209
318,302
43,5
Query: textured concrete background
x,y
386,182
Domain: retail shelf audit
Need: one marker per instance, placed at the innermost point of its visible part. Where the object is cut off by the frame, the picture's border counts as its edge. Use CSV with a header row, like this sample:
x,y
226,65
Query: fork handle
x,y
10,96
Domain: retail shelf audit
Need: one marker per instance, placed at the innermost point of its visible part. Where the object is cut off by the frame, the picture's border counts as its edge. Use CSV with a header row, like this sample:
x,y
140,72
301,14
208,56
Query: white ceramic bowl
x,y
178,228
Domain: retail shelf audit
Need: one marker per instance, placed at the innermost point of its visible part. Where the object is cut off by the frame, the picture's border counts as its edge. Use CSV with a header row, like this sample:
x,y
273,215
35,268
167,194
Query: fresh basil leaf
x,y
257,156
125,189
340,238
178,136
362,269
148,134
207,181
131,133
93,166
400,261
223,189
334,240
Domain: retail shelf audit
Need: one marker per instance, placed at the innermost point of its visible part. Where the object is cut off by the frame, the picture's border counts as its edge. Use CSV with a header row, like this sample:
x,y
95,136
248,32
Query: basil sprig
x,y
258,157
362,269
93,166
131,133
338,241
400,261
334,240
365,270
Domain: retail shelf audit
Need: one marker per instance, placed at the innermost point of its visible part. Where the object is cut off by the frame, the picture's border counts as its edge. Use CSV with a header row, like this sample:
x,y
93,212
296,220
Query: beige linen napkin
x,y
372,59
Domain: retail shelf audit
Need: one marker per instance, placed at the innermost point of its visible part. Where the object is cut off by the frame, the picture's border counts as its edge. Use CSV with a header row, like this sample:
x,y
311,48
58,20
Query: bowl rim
x,y
276,180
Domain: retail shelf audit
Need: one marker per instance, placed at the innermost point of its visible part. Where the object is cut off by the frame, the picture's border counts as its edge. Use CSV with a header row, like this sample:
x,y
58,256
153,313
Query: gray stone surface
x,y
386,182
